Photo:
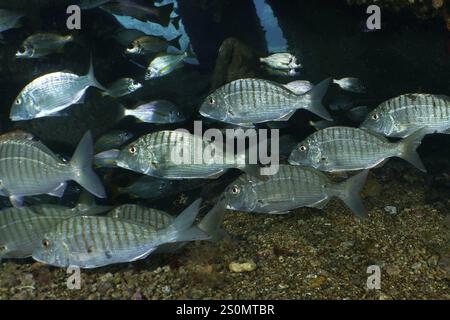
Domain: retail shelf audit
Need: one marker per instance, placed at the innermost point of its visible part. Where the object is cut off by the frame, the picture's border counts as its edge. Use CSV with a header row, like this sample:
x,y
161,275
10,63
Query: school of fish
x,y
166,161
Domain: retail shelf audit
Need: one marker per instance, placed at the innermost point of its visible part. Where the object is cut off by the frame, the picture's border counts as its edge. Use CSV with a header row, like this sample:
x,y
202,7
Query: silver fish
x,y
42,44
154,218
179,155
248,101
141,10
146,45
345,149
92,242
28,167
293,187
299,86
22,229
51,93
164,64
401,116
122,87
281,61
147,187
157,219
350,84
160,111
112,139
9,19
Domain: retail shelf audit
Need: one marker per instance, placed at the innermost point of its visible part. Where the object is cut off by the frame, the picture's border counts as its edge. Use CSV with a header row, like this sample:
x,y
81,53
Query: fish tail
x,y
81,164
176,42
183,225
164,14
91,77
212,222
316,95
349,193
408,148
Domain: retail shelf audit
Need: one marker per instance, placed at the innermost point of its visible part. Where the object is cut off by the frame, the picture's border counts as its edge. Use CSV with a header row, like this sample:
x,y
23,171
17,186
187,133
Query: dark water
x,y
407,55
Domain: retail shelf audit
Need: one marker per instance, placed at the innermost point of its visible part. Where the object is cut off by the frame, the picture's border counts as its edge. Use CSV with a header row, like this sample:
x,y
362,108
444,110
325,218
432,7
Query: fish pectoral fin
x,y
144,255
59,190
81,99
246,125
381,163
16,201
286,117
321,204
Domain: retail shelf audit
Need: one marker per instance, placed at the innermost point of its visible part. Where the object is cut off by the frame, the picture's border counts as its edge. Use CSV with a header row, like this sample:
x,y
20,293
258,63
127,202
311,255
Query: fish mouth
x,y
16,118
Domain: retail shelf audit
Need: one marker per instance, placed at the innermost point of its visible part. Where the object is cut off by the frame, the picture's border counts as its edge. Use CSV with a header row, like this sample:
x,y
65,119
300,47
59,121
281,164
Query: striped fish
x,y
401,116
147,187
345,149
293,187
91,242
22,229
154,218
157,219
245,102
28,167
49,94
178,155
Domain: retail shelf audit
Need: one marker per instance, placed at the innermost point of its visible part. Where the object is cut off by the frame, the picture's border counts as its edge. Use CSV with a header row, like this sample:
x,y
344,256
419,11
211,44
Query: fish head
x,y
215,107
133,48
133,85
240,195
379,122
153,71
176,115
135,157
307,153
52,251
24,107
25,52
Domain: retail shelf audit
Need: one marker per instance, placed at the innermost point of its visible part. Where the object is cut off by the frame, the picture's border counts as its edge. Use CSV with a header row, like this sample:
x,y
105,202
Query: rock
x,y
235,61
317,282
242,267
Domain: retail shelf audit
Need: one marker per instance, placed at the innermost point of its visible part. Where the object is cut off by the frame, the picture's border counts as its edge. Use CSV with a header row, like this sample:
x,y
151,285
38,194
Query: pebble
x,y
391,210
242,267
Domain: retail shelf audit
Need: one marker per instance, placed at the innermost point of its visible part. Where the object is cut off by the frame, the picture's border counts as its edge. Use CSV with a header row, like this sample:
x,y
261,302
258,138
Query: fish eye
x,y
235,190
45,243
22,50
132,150
131,46
18,101
302,148
211,100
323,159
375,116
